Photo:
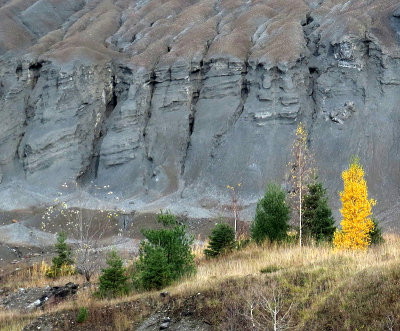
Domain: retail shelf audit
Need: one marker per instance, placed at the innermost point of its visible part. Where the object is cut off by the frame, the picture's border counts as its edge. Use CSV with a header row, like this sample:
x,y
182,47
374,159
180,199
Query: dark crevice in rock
x,y
308,21
100,132
197,80
244,93
151,82
34,70
124,71
120,20
36,66
29,111
312,41
18,159
313,76
18,71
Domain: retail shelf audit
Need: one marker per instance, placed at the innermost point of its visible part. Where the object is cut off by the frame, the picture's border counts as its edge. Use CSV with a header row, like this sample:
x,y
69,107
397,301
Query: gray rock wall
x,y
168,102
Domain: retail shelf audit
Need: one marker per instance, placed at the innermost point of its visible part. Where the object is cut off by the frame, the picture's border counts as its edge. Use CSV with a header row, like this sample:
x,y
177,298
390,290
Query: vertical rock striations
x,y
175,99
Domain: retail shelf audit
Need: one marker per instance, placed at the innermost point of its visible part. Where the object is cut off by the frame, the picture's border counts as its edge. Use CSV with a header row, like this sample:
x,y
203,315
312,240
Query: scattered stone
x,y
34,304
342,114
164,294
164,326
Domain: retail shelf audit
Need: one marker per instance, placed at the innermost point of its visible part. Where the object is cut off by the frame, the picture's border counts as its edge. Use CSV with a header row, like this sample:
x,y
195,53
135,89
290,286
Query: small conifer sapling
x,y
221,240
113,281
272,216
318,222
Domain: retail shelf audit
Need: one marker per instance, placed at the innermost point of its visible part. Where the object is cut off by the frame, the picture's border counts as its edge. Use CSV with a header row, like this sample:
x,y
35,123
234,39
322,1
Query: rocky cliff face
x,y
169,101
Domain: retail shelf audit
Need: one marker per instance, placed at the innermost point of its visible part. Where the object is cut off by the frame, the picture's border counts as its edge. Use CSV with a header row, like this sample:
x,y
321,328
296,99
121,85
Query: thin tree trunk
x,y
235,210
300,207
235,213
300,195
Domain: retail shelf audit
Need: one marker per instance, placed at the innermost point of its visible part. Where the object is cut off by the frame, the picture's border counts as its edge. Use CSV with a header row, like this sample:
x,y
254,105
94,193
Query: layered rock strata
x,y
165,102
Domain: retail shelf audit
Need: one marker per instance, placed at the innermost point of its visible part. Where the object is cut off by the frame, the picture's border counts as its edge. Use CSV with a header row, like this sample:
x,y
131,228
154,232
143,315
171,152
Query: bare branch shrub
x,y
268,308
88,230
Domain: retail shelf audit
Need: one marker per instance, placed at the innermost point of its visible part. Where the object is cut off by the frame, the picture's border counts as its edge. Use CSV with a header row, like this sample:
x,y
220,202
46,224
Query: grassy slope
x,y
316,288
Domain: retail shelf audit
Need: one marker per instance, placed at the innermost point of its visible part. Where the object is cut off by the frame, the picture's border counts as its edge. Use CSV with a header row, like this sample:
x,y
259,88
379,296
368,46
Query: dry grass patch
x,y
308,280
252,259
35,276
15,321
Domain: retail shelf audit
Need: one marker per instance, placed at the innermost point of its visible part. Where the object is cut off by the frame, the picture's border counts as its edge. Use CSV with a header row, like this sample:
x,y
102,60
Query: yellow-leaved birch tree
x,y
356,210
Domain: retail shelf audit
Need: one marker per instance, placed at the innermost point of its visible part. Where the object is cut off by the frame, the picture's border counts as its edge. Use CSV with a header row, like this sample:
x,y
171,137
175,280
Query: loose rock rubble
x,y
33,298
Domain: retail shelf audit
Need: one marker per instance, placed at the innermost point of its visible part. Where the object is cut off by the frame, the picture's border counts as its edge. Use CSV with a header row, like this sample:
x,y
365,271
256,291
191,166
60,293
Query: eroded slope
x,y
169,101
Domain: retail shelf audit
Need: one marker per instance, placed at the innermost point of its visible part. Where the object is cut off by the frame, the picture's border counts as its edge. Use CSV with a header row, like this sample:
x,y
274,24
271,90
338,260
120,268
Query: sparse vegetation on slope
x,y
318,288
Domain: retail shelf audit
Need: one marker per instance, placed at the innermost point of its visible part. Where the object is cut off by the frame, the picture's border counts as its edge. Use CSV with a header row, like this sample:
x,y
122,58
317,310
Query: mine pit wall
x,y
193,128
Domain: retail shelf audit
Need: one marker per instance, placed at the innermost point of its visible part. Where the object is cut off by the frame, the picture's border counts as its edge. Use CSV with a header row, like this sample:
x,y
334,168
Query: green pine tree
x,y
62,263
113,281
318,222
376,233
272,216
152,269
166,251
64,252
221,240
